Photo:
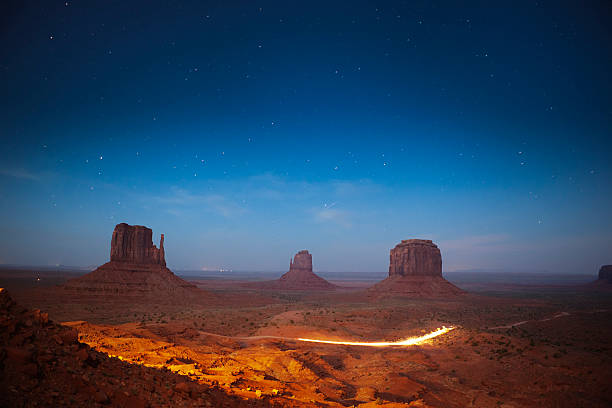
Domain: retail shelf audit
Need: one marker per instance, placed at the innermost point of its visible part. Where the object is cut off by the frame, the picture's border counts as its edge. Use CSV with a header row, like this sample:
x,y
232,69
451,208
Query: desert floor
x,y
512,345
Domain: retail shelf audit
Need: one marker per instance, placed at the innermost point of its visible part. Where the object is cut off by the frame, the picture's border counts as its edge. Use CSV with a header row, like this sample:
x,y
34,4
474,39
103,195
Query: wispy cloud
x,y
476,241
20,174
270,196
180,199
224,206
274,187
334,215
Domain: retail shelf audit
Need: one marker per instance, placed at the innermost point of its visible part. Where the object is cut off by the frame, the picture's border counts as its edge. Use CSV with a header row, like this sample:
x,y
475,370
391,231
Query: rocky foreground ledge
x,y
42,364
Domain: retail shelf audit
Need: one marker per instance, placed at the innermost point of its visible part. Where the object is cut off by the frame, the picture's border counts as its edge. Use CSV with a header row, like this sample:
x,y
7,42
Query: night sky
x,y
246,131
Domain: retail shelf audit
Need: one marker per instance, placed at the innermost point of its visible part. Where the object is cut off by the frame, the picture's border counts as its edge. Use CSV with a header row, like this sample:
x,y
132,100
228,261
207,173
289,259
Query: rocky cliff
x,y
134,243
415,270
302,261
415,257
605,273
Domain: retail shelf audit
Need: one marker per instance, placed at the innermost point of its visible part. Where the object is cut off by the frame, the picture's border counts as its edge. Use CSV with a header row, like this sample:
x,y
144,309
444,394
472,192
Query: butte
x,y
415,270
299,277
137,269
604,279
605,274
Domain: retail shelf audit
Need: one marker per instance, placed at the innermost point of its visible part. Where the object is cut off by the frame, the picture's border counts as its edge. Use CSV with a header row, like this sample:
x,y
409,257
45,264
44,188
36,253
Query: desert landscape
x,y
330,204
131,333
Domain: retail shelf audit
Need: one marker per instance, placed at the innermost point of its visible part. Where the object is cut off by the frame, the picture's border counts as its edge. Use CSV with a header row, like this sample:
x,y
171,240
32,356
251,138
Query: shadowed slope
x,y
44,364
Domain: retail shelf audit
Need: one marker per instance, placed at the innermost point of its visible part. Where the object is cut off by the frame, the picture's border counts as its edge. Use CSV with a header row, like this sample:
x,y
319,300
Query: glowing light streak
x,y
410,341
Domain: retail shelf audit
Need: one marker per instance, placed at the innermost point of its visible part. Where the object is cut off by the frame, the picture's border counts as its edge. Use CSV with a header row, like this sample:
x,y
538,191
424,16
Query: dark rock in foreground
x,y
44,364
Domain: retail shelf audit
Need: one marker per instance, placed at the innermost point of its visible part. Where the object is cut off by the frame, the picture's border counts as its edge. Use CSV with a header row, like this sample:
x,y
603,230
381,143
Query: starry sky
x,y
248,130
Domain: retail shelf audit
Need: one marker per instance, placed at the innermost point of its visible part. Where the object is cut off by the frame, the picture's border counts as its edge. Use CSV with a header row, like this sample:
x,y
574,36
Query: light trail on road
x,y
410,341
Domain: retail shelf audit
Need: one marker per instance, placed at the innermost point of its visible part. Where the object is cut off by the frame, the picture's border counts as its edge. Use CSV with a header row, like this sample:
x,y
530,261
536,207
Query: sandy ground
x,y
544,347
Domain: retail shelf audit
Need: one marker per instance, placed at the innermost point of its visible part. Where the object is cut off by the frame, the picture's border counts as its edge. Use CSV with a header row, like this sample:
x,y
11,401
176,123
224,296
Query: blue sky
x,y
245,133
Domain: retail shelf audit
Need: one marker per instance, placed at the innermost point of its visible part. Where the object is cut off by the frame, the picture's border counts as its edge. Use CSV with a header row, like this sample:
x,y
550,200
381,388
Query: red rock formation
x,y
415,257
605,273
137,268
301,262
415,269
299,277
134,243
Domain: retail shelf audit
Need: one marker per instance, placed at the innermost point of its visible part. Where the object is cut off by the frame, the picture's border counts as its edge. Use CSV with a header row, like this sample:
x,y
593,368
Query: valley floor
x,y
547,348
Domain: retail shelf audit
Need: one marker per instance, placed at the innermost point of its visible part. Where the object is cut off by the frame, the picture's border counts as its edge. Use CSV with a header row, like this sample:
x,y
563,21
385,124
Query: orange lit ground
x,y
546,363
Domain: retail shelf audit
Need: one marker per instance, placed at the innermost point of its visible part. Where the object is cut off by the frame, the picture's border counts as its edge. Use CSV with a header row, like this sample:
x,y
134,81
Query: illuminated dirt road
x,y
509,326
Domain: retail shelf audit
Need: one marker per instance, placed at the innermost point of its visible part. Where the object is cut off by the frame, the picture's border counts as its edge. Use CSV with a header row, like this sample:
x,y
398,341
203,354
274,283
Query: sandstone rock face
x,y
415,257
415,270
605,273
137,269
301,262
134,243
